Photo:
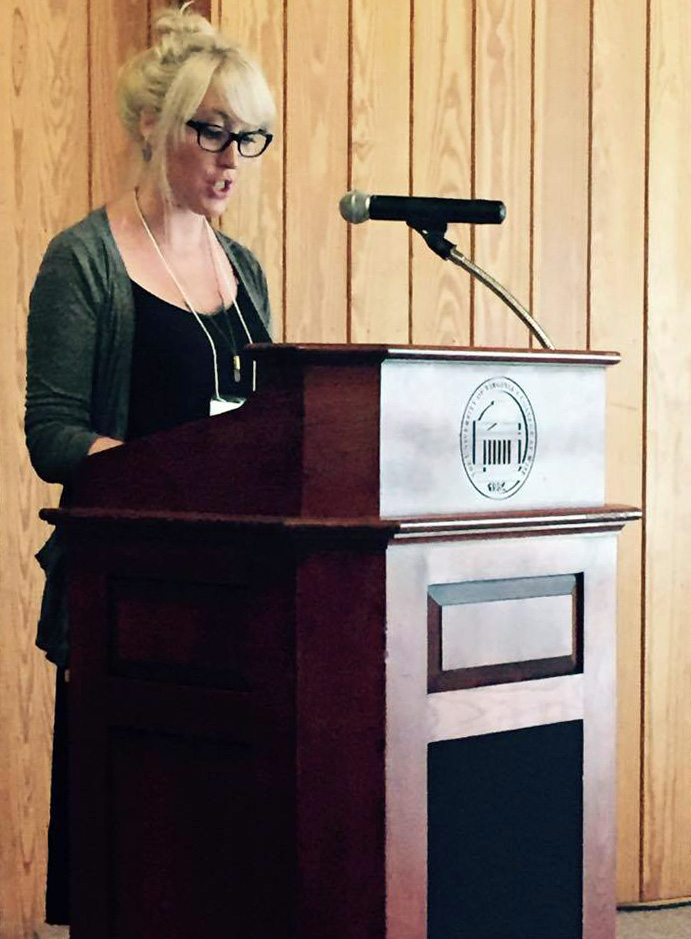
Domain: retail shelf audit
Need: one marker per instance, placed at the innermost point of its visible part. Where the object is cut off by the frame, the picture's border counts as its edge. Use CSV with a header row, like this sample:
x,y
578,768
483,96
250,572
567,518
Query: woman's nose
x,y
230,156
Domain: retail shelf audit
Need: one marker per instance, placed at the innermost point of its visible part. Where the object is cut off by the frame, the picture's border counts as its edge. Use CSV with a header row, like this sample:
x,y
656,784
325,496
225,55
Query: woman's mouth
x,y
222,187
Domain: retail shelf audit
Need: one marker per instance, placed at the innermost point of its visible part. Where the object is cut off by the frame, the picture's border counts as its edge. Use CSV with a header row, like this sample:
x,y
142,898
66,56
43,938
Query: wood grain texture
x,y
43,187
441,162
117,31
616,306
560,211
455,141
317,166
503,126
255,214
380,163
667,716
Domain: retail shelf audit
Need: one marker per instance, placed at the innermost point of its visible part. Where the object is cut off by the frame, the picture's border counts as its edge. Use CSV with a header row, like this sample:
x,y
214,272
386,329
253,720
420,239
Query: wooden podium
x,y
344,659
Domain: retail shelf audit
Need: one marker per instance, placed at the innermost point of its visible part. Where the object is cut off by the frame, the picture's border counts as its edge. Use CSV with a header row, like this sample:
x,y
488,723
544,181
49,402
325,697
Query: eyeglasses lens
x,y
216,138
252,145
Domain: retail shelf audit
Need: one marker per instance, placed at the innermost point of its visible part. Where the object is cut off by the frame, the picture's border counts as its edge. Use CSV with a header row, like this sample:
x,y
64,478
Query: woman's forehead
x,y
215,104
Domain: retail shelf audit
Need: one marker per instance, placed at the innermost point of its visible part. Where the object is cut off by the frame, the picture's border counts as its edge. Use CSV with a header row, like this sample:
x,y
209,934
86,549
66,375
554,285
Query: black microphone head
x,y
354,206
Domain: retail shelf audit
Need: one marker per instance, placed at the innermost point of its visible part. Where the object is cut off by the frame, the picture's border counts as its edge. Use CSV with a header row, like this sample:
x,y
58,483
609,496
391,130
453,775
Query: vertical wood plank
x,y
380,163
562,44
616,302
43,187
117,31
208,8
317,170
667,738
255,215
441,158
502,164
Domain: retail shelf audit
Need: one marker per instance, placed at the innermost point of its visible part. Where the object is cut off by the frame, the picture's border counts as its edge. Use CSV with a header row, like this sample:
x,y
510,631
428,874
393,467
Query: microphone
x,y
420,211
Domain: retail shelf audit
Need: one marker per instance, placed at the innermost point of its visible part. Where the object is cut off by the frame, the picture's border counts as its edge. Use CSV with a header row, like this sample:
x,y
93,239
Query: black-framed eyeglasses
x,y
215,139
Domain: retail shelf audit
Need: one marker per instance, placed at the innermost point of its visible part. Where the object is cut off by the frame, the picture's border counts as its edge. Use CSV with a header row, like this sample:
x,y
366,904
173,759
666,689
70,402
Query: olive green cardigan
x,y
79,351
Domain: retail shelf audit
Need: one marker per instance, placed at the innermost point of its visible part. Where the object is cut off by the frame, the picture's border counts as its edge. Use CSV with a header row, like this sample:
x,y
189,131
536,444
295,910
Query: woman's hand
x,y
103,443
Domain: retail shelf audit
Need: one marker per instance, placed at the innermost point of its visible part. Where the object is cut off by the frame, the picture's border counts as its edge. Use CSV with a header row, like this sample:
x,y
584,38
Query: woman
x,y
139,311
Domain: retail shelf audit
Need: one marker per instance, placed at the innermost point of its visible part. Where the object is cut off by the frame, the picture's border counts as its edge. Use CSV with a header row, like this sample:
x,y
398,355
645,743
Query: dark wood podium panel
x,y
325,676
183,845
229,784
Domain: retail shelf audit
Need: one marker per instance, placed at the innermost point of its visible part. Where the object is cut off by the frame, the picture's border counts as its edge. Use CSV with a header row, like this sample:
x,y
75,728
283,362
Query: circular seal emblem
x,y
498,438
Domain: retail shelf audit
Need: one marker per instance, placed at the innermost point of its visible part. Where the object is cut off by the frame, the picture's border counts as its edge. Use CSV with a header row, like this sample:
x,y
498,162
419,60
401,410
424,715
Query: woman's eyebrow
x,y
216,114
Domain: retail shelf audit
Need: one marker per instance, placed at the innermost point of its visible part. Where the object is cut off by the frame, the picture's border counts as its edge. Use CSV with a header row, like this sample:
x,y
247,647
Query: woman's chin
x,y
215,205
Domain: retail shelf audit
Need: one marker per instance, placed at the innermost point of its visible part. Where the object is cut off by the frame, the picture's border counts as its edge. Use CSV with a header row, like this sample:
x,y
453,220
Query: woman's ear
x,y
147,124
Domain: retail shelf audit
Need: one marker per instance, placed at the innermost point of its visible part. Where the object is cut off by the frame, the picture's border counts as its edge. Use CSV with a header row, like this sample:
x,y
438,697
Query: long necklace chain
x,y
190,307
232,288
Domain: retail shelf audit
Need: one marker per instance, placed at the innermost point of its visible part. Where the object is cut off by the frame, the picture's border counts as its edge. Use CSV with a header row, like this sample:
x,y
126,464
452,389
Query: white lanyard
x,y
236,358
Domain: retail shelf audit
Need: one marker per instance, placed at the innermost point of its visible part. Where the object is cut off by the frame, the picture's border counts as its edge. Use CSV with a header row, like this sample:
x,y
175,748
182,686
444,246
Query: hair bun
x,y
180,22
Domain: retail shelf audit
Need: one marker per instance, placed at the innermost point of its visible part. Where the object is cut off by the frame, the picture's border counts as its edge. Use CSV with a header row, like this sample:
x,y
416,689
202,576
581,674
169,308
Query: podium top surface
x,y
366,353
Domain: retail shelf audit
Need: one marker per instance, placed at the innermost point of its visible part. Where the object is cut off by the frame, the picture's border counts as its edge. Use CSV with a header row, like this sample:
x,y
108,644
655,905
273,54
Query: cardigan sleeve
x,y
61,348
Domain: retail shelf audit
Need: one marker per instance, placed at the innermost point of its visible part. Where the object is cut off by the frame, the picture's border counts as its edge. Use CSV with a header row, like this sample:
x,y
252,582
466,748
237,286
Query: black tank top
x,y
172,364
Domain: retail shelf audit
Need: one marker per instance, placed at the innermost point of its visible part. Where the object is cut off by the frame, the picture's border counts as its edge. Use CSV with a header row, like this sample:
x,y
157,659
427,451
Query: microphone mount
x,y
433,236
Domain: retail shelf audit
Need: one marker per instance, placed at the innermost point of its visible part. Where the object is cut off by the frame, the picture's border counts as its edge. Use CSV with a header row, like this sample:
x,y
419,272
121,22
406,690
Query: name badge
x,y
221,405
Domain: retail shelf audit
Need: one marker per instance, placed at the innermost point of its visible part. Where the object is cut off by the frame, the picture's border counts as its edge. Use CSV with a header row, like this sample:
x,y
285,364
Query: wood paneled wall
x,y
666,817
576,114
44,172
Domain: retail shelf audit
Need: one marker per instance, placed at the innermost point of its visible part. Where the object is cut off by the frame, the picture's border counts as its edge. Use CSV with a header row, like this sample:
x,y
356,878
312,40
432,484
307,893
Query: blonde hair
x,y
169,80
